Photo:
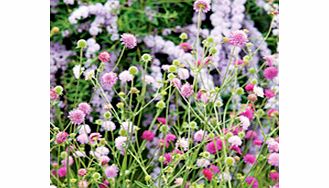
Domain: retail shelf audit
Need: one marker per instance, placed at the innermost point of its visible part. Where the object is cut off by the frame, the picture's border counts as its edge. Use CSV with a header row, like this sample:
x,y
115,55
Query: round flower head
x,y
201,5
125,76
176,82
148,135
168,158
85,107
170,137
245,123
62,171
185,46
111,171
207,174
186,90
77,116
270,73
199,135
274,175
53,95
82,172
252,181
249,87
273,159
179,181
214,146
249,159
235,141
108,126
104,57
83,138
119,143
109,79
128,40
238,38
83,184
61,137
94,136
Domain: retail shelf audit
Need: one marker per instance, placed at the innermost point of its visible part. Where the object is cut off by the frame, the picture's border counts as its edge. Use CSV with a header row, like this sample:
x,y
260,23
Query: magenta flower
x,y
82,172
148,135
62,172
249,87
249,113
170,137
201,5
109,79
186,90
249,159
61,137
274,175
185,46
53,95
214,146
252,181
269,93
128,40
168,158
207,174
77,116
104,57
270,73
238,38
162,120
85,108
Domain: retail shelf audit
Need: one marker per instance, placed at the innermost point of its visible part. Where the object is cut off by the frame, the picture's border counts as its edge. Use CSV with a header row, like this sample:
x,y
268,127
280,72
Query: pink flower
x,y
170,137
270,73
186,90
249,113
236,149
62,171
199,135
214,169
202,96
104,57
82,172
104,184
176,82
168,158
162,120
269,93
269,60
111,171
128,40
104,159
272,112
208,174
148,135
274,175
252,181
239,62
53,95
249,159
109,79
185,46
64,161
273,159
94,136
85,107
77,116
235,141
249,87
214,146
125,76
238,38
61,137
119,143
257,142
83,138
273,146
83,184
201,5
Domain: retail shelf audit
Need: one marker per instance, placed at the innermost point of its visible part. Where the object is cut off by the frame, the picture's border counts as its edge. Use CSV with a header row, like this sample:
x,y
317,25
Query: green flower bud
x,y
241,134
163,93
134,90
254,81
229,161
183,36
240,91
247,58
133,70
164,128
102,141
161,159
176,62
120,105
147,178
99,122
185,125
146,58
59,90
169,170
121,94
210,40
218,103
122,132
171,76
72,135
127,172
82,43
212,50
211,135
73,180
63,154
252,71
193,125
228,135
160,104
249,45
172,68
107,115
260,113
239,176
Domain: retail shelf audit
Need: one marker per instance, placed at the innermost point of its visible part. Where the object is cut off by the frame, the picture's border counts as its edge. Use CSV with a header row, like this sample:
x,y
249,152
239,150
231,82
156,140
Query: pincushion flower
x,y
201,6
182,143
125,76
85,108
245,123
148,135
252,181
274,175
202,162
104,57
238,38
249,87
207,174
199,135
62,171
258,91
273,159
83,184
214,146
83,139
84,129
183,74
120,142
186,90
179,181
185,46
53,95
108,126
170,137
270,73
77,116
61,137
112,171
82,172
109,79
235,141
176,82
128,40
269,93
249,159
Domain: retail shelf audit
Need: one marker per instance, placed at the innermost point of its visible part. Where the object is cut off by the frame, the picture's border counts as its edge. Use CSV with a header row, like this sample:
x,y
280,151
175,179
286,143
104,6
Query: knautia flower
x,y
201,6
207,174
85,108
109,79
61,137
183,73
108,126
259,91
125,76
148,135
62,171
182,143
251,181
83,138
112,171
273,159
249,159
186,90
120,142
214,146
104,57
128,40
53,95
235,141
238,38
77,116
202,162
270,73
179,181
83,184
82,172
245,123
199,136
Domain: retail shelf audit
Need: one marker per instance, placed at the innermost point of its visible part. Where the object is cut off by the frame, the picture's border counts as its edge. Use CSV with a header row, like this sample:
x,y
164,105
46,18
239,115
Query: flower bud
x,y
252,71
229,161
228,135
252,97
122,132
120,105
260,113
73,180
211,135
121,94
193,125
164,128
146,58
172,69
72,135
82,43
241,134
134,90
176,62
161,159
171,76
240,91
54,30
147,178
213,51
249,44
107,115
96,176
133,70
247,58
63,154
183,36
59,90
99,122
160,104
218,103
254,81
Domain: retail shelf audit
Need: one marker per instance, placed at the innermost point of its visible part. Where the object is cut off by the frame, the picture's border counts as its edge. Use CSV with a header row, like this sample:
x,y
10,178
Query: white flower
x,y
244,122
183,73
202,162
259,91
235,140
149,79
183,143
179,181
84,129
108,126
89,74
119,143
101,151
77,70
125,76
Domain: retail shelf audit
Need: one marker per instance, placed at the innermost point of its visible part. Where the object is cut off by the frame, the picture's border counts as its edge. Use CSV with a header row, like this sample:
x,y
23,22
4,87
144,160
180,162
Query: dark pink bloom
x,y
94,136
236,149
272,112
61,137
185,46
104,184
162,120
168,158
257,142
249,159
170,137
208,174
77,116
269,60
249,113
238,38
128,40
239,62
85,108
109,79
214,146
270,73
274,175
249,87
82,172
214,169
104,57
252,181
186,90
251,134
148,135
269,93
163,142
62,171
